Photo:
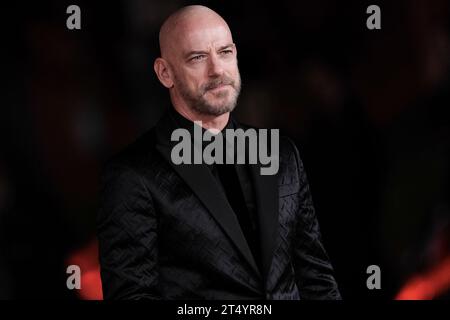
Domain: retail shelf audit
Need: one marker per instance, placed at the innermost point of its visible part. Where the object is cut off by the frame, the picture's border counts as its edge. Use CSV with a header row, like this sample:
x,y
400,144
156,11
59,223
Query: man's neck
x,y
213,123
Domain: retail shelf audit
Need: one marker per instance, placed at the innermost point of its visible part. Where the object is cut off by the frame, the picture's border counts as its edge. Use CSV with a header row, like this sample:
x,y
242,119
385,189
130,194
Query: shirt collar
x,y
187,124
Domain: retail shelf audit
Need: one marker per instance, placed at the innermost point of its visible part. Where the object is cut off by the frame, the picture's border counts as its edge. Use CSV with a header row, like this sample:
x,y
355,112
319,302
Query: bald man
x,y
206,231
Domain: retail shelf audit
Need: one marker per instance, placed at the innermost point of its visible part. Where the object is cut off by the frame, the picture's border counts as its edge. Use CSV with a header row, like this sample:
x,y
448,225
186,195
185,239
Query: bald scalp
x,y
184,19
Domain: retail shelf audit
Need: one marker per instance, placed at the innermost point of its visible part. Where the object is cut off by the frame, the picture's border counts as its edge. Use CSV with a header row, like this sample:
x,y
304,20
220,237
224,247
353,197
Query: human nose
x,y
215,67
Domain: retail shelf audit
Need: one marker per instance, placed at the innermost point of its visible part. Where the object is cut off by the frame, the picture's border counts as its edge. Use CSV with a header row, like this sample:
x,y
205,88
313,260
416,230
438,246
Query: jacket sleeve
x,y
313,270
127,235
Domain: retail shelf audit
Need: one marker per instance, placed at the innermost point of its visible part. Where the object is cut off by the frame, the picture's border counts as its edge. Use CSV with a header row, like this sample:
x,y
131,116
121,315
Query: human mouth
x,y
219,87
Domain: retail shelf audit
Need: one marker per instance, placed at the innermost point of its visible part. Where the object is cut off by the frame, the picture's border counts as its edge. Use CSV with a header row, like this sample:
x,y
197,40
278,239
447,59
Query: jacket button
x,y
267,296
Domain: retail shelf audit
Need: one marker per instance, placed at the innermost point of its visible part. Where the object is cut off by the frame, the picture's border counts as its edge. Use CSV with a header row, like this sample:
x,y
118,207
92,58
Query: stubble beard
x,y
200,104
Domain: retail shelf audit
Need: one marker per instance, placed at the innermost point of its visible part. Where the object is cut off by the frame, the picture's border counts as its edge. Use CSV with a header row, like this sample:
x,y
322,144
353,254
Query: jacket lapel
x,y
267,202
266,194
201,181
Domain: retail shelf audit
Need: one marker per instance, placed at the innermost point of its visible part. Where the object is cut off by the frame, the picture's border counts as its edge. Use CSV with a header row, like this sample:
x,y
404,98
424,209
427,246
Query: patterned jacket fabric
x,y
166,231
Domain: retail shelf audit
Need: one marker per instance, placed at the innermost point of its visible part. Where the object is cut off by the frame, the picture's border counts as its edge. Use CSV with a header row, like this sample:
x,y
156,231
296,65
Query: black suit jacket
x,y
166,231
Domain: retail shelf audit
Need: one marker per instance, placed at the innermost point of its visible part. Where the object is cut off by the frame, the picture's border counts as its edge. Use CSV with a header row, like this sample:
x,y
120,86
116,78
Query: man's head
x,y
198,62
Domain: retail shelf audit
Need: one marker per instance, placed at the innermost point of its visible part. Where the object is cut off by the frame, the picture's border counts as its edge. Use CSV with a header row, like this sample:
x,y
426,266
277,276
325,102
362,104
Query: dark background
x,y
368,109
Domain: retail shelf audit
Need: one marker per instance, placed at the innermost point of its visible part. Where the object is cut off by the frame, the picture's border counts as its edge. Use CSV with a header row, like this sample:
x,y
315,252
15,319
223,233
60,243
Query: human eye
x,y
197,58
226,52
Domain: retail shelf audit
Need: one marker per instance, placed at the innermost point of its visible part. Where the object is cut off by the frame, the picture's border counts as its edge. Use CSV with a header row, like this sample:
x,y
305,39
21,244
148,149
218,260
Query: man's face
x,y
205,70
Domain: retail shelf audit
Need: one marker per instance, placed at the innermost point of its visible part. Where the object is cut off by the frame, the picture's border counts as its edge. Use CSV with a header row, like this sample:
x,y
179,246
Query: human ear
x,y
163,73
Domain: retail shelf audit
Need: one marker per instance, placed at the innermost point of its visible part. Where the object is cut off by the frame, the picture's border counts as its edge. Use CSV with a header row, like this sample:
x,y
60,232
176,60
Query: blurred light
x,y
87,259
429,285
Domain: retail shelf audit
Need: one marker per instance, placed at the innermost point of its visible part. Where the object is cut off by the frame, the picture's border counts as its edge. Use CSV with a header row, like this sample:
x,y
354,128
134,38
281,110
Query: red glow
x,y
428,285
87,259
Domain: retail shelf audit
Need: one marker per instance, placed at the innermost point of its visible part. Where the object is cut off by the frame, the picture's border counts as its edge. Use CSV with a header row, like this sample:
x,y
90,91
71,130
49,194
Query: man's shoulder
x,y
288,152
286,145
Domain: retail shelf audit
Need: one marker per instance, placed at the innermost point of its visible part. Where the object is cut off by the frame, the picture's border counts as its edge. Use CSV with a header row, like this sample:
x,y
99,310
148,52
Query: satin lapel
x,y
266,194
204,185
267,202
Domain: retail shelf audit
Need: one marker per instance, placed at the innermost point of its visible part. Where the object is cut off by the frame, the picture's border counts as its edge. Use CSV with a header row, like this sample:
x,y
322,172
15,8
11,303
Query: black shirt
x,y
237,185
